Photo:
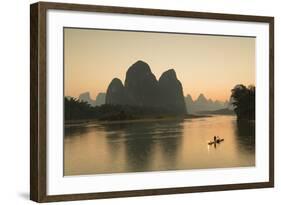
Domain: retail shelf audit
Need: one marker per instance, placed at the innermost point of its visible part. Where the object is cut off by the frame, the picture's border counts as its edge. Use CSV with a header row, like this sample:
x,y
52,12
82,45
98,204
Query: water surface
x,y
158,145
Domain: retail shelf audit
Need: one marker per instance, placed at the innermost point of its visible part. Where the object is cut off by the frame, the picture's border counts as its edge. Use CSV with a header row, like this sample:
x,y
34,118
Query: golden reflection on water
x,y
158,146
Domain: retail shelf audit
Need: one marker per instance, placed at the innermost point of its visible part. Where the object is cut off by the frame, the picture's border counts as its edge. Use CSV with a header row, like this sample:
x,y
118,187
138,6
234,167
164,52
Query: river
x,y
162,145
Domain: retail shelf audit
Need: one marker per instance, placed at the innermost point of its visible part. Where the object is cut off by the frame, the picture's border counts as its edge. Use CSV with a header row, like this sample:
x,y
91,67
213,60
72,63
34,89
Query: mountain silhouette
x,y
85,97
142,89
171,92
202,104
100,99
141,86
201,99
115,93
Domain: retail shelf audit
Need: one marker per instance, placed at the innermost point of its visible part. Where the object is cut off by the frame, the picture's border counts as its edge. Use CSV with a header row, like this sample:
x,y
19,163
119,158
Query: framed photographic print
x,y
133,102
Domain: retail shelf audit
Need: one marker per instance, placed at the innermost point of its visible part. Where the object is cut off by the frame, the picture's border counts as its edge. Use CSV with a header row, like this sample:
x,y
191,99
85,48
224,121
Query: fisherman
x,y
216,139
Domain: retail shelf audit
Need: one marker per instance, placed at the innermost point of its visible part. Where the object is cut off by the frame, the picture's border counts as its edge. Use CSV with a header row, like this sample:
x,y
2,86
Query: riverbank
x,y
74,123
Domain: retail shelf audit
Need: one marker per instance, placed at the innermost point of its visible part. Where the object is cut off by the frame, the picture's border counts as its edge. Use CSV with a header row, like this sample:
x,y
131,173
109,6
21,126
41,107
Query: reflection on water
x,y
158,146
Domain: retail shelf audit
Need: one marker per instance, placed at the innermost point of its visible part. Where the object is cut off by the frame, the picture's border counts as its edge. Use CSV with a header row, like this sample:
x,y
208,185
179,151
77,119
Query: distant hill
x,y
100,99
203,104
142,89
85,97
224,111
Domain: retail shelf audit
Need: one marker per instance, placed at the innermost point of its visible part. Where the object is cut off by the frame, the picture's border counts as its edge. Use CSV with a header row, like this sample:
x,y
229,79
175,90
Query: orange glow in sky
x,y
206,64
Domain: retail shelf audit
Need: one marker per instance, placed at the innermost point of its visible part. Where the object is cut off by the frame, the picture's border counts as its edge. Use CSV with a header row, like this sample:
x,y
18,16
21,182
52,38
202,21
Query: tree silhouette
x,y
79,110
76,109
244,101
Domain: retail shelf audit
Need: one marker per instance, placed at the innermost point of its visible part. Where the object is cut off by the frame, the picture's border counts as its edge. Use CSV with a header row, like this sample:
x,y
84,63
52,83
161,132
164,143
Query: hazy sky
x,y
212,65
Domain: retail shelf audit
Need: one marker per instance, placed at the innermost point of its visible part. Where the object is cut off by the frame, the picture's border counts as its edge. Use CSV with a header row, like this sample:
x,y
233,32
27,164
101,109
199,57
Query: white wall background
x,y
14,104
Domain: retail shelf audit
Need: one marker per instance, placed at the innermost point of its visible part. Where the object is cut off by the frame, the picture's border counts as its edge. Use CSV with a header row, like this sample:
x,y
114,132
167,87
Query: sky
x,y
206,64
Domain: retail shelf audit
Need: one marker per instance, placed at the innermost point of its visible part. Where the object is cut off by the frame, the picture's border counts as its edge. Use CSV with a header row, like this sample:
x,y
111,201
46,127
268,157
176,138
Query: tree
x,y
244,101
76,109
